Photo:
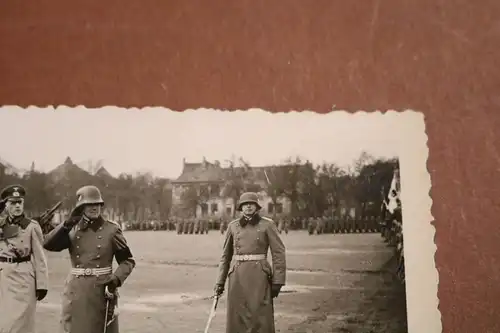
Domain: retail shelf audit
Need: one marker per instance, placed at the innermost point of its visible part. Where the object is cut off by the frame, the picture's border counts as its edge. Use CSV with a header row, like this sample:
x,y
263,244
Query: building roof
x,y
102,172
201,172
206,172
10,169
66,169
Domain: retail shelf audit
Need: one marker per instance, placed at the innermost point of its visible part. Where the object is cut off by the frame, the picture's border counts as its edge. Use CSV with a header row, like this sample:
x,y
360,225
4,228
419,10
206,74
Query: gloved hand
x,y
219,289
275,290
112,282
40,294
74,218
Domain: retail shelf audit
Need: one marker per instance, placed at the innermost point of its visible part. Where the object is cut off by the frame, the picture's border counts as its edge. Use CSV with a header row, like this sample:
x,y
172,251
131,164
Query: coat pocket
x,y
266,268
231,269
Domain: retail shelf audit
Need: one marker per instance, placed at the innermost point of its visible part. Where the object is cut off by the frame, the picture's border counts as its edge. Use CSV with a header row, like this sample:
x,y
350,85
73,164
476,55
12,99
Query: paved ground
x,y
336,283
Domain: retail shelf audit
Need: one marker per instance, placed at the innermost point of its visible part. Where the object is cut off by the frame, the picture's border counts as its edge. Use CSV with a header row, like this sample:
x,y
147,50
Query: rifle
x,y
46,217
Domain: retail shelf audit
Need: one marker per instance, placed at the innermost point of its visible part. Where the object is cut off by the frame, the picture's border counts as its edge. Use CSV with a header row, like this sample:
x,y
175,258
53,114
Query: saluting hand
x,y
40,294
74,218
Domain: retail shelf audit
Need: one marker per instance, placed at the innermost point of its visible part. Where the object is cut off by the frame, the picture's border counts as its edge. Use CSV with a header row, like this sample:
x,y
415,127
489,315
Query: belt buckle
x,y
246,257
87,272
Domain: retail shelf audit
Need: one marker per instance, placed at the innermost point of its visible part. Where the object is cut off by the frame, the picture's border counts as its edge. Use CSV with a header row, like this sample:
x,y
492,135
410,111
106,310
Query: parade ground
x,y
335,283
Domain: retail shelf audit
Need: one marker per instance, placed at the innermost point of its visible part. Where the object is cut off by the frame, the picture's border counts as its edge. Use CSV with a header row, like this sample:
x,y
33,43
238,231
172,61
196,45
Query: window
x,y
203,191
215,190
229,210
214,208
279,208
271,208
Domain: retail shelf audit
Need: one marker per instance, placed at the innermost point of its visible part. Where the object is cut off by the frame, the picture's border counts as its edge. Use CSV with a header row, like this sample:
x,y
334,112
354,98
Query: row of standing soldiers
x,y
314,225
333,225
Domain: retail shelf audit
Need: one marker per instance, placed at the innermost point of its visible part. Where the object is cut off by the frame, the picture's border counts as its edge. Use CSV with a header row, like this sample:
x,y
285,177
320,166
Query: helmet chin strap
x,y
88,219
251,215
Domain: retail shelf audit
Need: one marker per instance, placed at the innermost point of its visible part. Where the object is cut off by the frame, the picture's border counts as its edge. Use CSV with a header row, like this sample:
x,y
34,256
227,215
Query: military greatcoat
x,y
19,281
91,246
249,303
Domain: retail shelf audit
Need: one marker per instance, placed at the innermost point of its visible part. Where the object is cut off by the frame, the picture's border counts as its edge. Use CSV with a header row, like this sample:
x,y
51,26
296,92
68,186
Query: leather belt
x,y
15,260
250,257
91,271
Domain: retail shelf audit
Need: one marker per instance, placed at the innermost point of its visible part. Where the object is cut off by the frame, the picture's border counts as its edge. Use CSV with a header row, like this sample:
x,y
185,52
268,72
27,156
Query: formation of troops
x,y
314,225
90,297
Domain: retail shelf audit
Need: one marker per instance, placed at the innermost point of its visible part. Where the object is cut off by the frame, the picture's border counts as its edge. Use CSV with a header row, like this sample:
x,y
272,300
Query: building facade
x,y
204,190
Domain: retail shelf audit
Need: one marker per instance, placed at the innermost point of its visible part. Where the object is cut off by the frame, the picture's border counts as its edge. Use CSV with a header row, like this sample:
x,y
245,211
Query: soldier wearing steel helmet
x,y
93,242
23,265
252,283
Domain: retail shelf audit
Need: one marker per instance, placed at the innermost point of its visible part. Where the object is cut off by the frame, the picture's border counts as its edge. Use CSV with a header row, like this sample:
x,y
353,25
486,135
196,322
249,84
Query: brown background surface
x,y
434,56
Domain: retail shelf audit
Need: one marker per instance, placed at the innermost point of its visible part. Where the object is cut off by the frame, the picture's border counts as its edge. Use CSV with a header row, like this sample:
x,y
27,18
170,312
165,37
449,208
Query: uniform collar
x,y
253,220
92,224
20,220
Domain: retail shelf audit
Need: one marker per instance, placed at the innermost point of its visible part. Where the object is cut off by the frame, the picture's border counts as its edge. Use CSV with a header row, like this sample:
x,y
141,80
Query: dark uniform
x,y
23,266
92,245
311,226
252,282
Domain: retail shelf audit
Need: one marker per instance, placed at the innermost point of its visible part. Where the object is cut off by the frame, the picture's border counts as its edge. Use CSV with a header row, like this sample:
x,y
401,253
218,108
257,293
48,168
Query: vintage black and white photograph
x,y
153,220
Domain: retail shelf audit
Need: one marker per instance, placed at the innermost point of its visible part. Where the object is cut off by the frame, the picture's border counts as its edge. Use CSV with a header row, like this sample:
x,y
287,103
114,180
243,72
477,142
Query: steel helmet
x,y
88,195
248,197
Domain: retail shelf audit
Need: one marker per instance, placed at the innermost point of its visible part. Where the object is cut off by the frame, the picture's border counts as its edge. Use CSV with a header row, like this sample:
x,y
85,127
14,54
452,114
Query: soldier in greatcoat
x,y
23,265
252,283
93,242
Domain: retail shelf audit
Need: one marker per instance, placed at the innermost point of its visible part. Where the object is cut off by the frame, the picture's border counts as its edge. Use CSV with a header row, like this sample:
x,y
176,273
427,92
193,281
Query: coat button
x,y
99,246
100,228
78,246
99,237
97,265
78,256
77,237
98,256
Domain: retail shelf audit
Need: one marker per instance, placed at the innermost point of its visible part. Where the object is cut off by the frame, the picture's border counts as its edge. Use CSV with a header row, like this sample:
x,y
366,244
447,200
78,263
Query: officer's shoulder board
x,y
267,219
114,223
234,221
34,221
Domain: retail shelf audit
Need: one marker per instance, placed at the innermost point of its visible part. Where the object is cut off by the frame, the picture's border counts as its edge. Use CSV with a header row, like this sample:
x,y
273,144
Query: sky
x,y
157,139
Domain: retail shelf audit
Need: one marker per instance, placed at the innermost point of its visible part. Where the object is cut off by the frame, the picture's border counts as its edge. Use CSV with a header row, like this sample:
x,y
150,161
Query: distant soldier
x,y
327,224
319,225
336,224
185,226
311,226
286,225
373,224
23,265
206,224
178,226
197,223
223,226
93,242
252,284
